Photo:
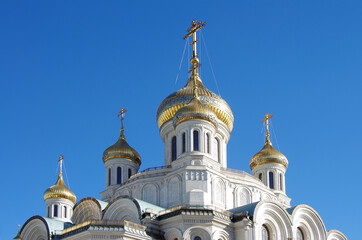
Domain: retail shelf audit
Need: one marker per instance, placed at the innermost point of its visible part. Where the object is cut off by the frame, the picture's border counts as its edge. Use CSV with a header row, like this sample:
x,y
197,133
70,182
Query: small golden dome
x,y
121,149
59,190
268,155
168,108
194,110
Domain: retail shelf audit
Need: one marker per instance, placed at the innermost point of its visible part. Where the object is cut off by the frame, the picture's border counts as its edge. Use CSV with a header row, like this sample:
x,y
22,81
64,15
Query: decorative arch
x,y
219,190
221,235
174,191
310,223
150,193
173,234
123,208
335,235
125,192
242,196
193,232
86,209
275,218
35,228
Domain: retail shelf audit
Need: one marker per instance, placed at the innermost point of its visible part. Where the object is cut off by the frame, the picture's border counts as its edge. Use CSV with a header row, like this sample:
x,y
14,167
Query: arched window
x,y
271,180
300,235
196,141
119,175
173,149
109,176
65,212
197,238
49,211
208,143
184,142
280,181
129,172
264,233
218,150
261,176
55,210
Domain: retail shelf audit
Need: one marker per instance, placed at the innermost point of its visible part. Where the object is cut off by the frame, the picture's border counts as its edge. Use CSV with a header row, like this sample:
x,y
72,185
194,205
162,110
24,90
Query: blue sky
x,y
67,67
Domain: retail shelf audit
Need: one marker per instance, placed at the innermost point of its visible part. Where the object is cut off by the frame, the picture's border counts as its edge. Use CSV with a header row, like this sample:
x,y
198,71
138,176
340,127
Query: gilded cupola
x,y
59,190
168,107
195,110
121,149
268,154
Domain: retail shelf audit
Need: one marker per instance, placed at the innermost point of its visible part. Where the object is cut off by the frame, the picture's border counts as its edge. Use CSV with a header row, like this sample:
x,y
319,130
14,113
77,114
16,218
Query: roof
x,y
245,208
145,206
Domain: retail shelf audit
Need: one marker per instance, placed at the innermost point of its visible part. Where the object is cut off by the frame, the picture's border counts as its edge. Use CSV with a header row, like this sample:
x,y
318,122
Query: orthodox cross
x,y
121,114
195,26
266,120
61,162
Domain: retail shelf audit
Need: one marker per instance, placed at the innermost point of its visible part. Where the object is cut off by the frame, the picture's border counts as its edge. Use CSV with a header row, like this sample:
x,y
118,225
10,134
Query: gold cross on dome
x,y
195,26
61,162
266,120
121,114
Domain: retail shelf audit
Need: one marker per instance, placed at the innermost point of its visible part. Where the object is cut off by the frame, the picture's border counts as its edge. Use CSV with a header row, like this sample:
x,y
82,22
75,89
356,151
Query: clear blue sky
x,y
67,67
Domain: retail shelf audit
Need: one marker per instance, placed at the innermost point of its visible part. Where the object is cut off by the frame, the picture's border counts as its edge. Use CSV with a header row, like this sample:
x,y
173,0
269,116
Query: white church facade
x,y
194,196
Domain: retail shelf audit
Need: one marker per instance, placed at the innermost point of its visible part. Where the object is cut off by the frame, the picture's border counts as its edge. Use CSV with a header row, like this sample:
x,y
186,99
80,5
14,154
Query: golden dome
x,y
168,108
59,190
121,149
268,155
194,110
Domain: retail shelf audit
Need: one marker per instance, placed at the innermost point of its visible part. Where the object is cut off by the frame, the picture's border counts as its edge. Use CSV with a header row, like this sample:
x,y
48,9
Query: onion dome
x,y
194,110
121,149
168,107
268,154
59,190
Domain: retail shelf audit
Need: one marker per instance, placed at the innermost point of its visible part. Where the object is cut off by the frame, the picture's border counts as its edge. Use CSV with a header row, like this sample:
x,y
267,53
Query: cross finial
x,y
121,114
61,162
266,120
195,26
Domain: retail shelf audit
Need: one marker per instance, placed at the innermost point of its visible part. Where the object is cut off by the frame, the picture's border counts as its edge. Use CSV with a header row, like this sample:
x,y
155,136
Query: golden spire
x,y
195,26
61,164
267,135
121,114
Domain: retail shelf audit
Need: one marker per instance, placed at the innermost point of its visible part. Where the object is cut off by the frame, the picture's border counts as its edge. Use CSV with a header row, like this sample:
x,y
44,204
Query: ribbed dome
x,y
121,149
168,108
268,155
59,190
194,110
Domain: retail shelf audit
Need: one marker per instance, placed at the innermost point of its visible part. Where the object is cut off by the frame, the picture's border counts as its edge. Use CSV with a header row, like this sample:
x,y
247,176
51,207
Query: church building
x,y
194,196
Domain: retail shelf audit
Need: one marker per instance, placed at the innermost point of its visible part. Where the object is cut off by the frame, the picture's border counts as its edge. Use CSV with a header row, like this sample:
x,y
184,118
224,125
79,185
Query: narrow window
x,y
109,176
218,150
208,143
129,172
264,233
261,176
196,140
119,175
173,149
184,142
65,212
271,180
300,235
49,211
281,181
55,210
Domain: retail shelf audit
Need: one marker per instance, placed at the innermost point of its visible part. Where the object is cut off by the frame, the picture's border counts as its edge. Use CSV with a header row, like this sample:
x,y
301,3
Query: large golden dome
x,y
268,154
59,190
121,149
167,109
194,110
